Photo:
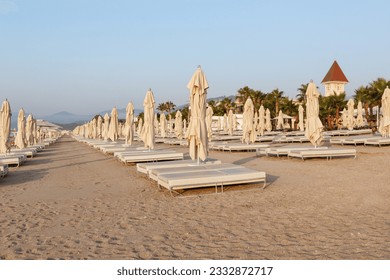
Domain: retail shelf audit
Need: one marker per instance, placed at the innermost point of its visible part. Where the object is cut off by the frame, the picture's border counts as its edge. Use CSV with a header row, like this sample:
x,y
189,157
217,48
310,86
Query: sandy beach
x,y
73,202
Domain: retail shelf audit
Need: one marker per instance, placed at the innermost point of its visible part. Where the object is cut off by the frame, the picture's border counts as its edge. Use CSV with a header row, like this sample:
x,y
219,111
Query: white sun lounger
x,y
283,151
13,159
211,178
120,155
323,153
3,170
357,140
265,138
243,147
29,152
283,139
377,142
114,149
153,155
146,167
155,173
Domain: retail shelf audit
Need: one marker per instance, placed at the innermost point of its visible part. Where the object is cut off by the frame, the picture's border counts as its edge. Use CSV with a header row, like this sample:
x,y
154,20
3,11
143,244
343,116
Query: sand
x,y
72,202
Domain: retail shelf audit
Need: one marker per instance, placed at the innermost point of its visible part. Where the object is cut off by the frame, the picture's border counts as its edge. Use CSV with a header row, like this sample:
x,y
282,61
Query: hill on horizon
x,y
67,118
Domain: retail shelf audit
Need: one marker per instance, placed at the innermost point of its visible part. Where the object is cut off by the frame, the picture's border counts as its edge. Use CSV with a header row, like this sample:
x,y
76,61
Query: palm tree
x,y
257,97
276,95
170,106
288,106
301,96
162,107
331,107
226,104
363,94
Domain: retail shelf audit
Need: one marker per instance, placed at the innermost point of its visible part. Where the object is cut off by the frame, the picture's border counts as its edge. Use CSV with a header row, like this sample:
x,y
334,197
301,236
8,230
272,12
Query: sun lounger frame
x,y
211,178
323,153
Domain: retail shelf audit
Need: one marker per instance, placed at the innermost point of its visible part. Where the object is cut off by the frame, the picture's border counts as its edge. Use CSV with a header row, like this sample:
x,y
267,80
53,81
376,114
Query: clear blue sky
x,y
85,56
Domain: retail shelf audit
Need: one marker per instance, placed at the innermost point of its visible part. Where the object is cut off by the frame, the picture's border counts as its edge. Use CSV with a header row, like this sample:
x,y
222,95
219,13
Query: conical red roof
x,y
335,74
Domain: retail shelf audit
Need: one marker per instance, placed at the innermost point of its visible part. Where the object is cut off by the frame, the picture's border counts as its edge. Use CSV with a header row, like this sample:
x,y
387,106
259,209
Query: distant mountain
x,y
70,118
66,117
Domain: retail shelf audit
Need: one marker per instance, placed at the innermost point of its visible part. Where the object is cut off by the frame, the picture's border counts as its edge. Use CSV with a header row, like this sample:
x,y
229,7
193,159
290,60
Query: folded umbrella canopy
x,y
300,116
314,126
113,128
197,130
385,121
147,132
248,129
20,140
268,125
179,125
350,117
209,121
106,126
5,126
129,133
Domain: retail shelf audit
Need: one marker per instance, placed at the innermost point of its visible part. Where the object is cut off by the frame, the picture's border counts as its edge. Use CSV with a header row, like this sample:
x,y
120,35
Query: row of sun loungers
x,y
16,157
179,173
132,154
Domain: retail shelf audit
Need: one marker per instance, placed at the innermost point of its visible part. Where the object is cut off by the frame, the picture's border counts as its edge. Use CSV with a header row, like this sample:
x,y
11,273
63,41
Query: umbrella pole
x,y
198,153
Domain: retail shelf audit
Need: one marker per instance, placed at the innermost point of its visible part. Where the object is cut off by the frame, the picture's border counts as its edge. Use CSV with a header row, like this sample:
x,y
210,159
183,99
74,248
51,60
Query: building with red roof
x,y
335,80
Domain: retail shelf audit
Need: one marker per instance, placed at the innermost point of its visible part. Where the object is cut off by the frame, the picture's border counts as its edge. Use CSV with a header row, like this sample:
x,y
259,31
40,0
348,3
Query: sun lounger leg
x,y
265,184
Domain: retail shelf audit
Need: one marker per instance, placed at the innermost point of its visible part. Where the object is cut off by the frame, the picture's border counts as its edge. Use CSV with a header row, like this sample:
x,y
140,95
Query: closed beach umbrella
x,y
129,133
99,127
139,127
230,121
314,126
156,124
261,126
29,130
5,126
113,128
169,124
268,125
178,125
344,117
279,121
163,125
209,121
256,120
94,128
106,126
184,126
359,119
234,122
225,123
385,121
147,133
300,116
20,140
35,131
248,133
197,130
350,117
